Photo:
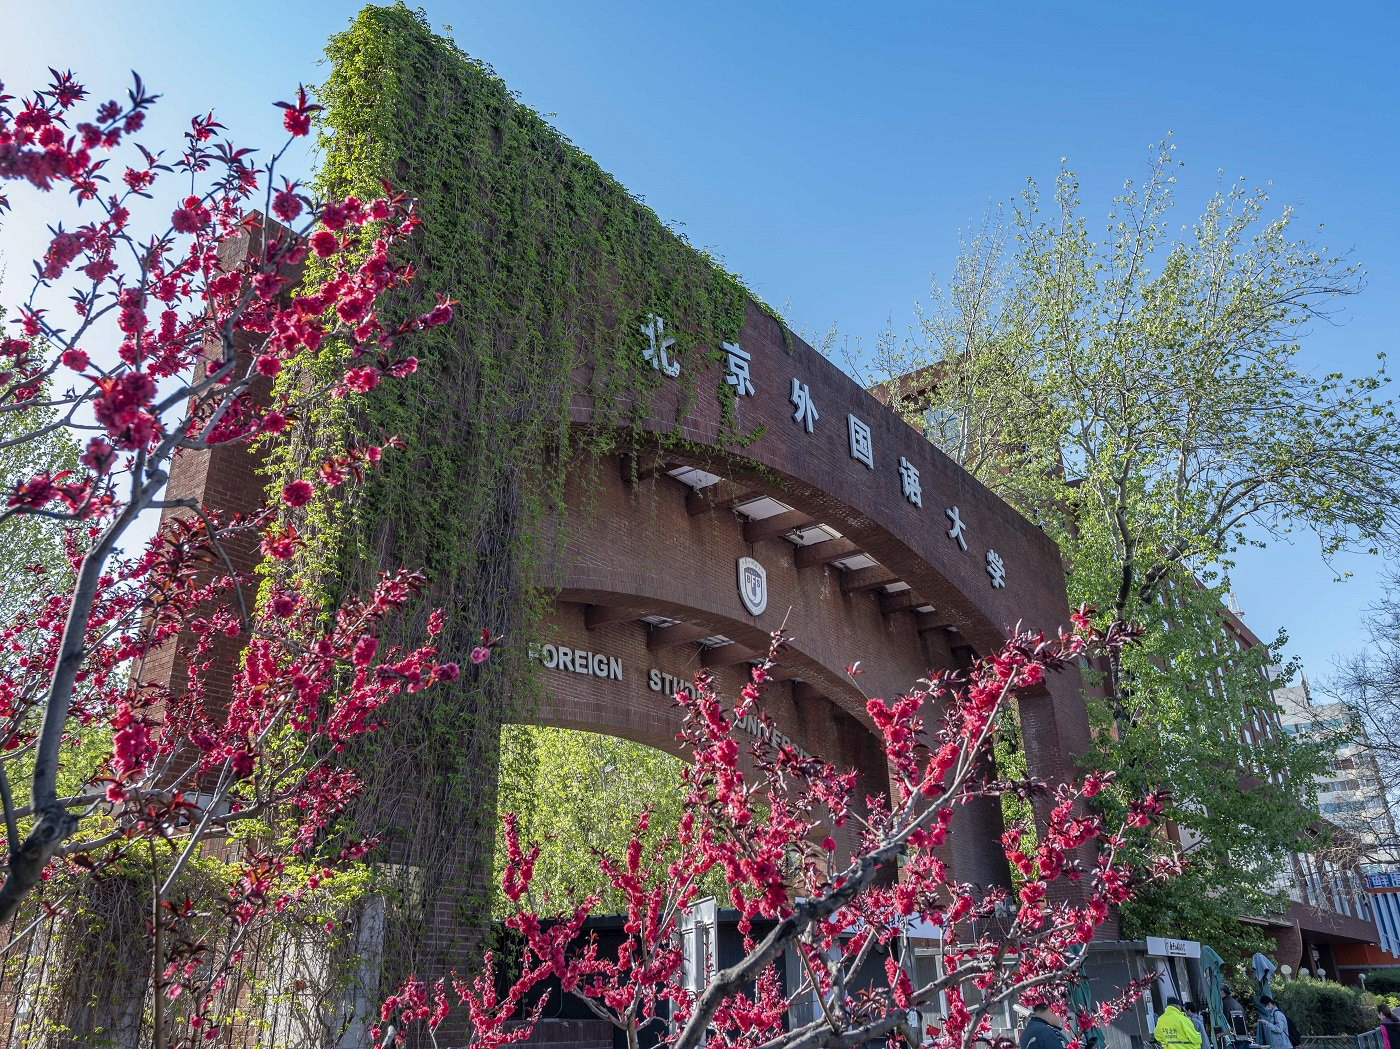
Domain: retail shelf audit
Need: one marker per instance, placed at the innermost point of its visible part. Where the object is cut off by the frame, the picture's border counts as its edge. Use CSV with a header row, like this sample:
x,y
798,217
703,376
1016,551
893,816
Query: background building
x,y
1326,919
1350,793
1354,801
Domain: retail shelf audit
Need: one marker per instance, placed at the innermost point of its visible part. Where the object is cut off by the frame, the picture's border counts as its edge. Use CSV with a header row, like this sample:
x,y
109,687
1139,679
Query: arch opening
x,y
578,794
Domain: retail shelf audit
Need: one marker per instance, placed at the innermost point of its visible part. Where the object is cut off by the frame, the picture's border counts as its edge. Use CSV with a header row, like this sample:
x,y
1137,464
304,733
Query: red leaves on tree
x,y
768,817
172,338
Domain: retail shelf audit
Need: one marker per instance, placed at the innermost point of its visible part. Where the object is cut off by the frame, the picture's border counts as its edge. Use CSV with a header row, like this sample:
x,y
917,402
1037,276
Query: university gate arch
x,y
874,545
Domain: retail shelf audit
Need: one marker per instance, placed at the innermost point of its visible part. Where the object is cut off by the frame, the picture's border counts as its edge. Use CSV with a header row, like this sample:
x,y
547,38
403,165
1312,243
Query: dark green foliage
x,y
1323,1008
1185,903
1383,981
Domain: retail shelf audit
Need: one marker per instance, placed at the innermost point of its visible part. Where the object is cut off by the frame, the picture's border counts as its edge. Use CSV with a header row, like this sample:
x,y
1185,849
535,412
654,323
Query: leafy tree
x,y
1368,681
34,546
581,793
1141,396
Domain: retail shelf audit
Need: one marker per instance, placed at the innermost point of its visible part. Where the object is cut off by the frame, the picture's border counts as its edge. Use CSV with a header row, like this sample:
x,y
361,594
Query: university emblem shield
x,y
753,585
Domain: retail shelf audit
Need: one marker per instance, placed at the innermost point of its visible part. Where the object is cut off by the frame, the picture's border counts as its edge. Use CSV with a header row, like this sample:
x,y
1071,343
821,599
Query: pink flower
x,y
279,545
296,116
362,380
132,744
324,243
241,762
298,493
98,456
286,205
62,251
480,654
297,123
333,216
36,492
99,270
190,218
364,651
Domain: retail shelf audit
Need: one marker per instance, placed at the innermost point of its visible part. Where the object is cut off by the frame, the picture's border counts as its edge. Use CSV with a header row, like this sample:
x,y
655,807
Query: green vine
x,y
553,265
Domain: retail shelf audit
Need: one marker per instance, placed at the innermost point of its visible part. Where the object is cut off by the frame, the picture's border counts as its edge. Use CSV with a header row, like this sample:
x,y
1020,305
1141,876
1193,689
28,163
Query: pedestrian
x,y
1273,1025
1390,1026
1195,1014
1385,1018
1175,1030
1043,1030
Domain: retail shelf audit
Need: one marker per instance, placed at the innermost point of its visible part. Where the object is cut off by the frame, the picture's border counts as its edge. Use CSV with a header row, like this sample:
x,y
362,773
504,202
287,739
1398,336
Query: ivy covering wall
x,y
553,266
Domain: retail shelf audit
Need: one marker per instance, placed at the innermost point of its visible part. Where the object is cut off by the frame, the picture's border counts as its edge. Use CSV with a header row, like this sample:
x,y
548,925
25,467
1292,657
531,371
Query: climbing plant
x,y
554,269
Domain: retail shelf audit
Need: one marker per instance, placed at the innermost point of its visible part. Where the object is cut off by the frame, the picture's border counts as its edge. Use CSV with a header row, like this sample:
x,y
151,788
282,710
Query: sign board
x,y
1161,947
1383,880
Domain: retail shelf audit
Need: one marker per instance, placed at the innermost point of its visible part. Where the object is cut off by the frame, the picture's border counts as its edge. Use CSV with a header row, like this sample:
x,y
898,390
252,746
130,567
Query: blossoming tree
x,y
147,341
839,916
218,820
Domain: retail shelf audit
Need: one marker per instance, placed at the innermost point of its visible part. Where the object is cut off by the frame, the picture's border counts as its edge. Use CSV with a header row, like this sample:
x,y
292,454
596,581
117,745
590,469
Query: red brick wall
x,y
636,545
639,548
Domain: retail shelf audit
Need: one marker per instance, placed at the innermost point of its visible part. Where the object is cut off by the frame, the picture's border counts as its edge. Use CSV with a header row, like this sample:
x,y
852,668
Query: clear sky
x,y
832,153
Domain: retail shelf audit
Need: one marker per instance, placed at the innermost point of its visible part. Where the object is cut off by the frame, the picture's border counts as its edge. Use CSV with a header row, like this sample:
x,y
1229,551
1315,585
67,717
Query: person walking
x,y
1043,1030
1389,1028
1385,1018
1175,1030
1273,1025
1194,1012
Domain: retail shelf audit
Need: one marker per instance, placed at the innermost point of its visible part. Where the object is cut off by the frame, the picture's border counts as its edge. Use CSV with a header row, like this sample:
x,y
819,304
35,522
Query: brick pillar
x,y
978,826
1055,733
1288,947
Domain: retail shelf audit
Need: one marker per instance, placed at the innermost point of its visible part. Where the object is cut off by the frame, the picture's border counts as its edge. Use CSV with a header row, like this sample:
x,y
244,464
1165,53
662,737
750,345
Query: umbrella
x,y
1213,974
1081,999
1263,969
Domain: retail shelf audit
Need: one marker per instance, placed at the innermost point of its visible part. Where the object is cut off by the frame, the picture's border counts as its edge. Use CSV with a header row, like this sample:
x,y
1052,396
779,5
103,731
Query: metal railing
x,y
1369,1040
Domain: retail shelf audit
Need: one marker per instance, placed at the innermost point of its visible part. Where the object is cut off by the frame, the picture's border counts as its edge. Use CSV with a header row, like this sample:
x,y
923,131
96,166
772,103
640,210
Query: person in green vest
x,y
1174,1028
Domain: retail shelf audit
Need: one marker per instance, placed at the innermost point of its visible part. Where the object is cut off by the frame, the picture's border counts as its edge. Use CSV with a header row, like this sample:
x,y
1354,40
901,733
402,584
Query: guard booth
x,y
1179,962
1111,964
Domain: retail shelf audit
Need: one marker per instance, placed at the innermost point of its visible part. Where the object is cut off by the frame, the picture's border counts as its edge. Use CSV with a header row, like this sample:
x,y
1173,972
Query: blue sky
x,y
832,153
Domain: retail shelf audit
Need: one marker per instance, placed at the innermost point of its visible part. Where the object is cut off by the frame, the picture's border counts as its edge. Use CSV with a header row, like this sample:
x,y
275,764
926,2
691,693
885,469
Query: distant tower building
x,y
1350,792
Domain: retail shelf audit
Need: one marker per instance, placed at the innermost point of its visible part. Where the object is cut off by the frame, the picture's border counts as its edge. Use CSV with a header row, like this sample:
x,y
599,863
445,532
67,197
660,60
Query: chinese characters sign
x,y
659,352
